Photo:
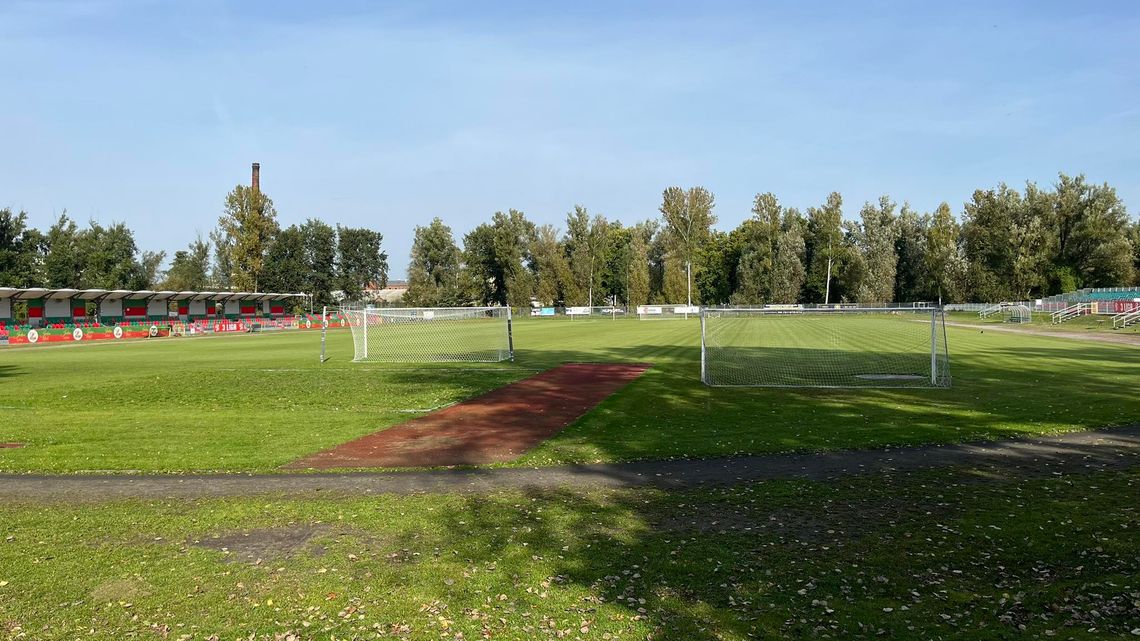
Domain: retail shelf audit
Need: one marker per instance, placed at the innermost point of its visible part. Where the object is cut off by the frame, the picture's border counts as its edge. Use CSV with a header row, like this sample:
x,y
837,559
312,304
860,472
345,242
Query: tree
x,y
495,254
875,239
758,237
585,245
987,233
717,260
433,272
552,271
637,266
189,269
360,261
222,268
911,280
1091,228
1135,238
688,219
248,224
19,250
1031,244
824,250
674,287
942,262
788,272
286,265
479,277
319,239
850,273
151,266
63,261
615,268
108,258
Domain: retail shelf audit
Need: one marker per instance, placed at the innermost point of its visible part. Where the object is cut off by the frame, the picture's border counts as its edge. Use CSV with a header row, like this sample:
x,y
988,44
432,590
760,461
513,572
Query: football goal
x,y
824,347
414,334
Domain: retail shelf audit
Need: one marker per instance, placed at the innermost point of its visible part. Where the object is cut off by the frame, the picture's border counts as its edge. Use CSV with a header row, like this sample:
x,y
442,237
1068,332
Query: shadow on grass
x,y
781,560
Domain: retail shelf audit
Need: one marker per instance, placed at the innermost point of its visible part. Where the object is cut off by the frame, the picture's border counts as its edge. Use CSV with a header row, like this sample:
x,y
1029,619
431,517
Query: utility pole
x,y
827,290
689,281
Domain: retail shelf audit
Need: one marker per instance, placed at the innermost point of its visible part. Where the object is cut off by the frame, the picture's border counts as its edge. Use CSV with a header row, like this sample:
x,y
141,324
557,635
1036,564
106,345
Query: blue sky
x,y
386,115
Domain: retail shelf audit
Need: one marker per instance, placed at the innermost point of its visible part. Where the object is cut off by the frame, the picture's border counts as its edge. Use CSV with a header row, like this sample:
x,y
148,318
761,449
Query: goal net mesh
x,y
453,334
881,347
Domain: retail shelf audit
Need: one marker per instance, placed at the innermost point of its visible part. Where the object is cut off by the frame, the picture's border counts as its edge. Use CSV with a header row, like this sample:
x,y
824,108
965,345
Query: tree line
x,y
247,251
1005,245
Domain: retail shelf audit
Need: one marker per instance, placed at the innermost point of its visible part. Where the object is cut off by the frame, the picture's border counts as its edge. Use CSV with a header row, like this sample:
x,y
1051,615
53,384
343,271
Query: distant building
x,y
391,294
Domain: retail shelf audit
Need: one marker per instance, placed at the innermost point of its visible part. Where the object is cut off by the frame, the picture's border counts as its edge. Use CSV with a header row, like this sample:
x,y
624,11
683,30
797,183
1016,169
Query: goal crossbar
x,y
850,347
431,334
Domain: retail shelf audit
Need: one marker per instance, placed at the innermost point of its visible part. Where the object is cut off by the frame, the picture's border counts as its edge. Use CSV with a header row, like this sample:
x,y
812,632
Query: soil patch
x,y
269,543
495,427
10,446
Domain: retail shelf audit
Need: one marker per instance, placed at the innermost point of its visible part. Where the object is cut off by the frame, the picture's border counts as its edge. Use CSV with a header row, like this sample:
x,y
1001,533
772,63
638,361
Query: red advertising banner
x,y
1122,306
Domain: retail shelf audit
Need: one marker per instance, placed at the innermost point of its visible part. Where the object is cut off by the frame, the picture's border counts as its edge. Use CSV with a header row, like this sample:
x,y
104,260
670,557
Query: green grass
x,y
951,555
824,350
253,403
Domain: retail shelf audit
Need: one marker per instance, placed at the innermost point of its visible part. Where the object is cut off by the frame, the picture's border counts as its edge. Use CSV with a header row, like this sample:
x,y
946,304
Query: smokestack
x,y
257,176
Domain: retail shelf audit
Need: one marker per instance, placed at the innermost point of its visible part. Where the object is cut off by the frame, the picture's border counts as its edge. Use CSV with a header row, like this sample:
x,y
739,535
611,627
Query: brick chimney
x,y
257,176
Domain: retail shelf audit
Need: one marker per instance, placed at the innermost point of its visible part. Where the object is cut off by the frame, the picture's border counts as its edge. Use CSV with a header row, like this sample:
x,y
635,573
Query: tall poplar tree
x,y
688,219
248,225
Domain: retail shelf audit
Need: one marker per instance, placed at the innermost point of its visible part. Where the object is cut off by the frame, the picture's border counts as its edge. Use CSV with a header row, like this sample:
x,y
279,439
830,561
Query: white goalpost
x,y
438,334
825,347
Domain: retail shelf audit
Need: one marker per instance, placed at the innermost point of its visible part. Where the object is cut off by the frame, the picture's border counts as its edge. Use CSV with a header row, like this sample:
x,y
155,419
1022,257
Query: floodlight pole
x,y
827,291
689,282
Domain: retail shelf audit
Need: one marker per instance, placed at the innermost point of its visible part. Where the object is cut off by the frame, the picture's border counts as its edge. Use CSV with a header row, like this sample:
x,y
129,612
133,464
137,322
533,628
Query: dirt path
x,y
1120,339
495,427
1117,448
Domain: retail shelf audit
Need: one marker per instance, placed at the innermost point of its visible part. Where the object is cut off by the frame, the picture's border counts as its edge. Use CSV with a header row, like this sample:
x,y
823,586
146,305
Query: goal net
x,y
451,334
825,347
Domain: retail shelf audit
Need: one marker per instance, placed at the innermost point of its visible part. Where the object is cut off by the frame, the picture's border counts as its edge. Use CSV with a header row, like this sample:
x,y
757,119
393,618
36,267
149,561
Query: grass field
x,y
825,349
945,555
253,403
1019,551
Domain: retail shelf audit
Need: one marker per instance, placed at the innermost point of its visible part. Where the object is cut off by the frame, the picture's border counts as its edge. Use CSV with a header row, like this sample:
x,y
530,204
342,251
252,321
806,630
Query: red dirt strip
x,y
495,427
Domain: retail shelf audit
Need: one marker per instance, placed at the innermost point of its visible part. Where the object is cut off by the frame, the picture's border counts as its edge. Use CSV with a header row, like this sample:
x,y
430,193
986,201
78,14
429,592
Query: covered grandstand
x,y
32,315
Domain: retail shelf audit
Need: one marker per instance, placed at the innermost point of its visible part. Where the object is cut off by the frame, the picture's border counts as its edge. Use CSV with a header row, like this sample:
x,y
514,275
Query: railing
x,y
1120,321
986,312
1070,312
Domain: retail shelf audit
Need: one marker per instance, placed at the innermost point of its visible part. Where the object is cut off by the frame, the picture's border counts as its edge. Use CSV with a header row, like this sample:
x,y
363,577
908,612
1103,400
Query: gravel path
x,y
1117,448
1119,339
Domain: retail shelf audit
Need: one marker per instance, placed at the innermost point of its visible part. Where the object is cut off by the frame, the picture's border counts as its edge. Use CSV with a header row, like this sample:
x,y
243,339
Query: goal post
x,y
882,347
435,334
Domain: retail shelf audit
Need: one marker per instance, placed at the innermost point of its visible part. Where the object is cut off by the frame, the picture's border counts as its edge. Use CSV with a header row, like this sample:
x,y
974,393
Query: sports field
x,y
257,402
1023,546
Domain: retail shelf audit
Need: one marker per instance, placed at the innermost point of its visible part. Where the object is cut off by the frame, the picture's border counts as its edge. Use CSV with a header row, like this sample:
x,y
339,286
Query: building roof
x,y
29,293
